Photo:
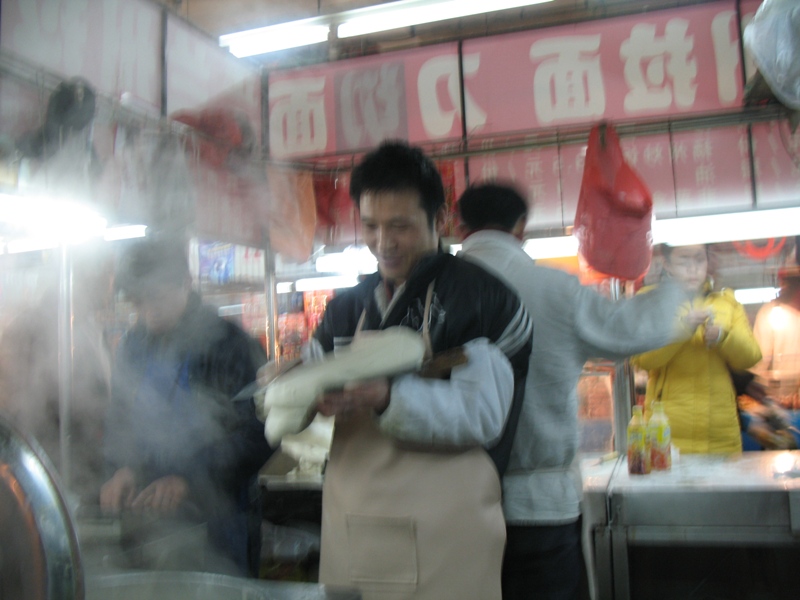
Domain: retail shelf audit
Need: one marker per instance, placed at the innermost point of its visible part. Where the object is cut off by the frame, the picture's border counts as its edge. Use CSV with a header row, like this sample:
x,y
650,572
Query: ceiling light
x,y
712,229
687,231
124,232
551,247
276,37
284,287
756,295
324,283
416,12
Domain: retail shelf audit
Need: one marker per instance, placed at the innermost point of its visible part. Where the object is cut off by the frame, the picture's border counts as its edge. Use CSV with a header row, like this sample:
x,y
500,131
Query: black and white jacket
x,y
479,404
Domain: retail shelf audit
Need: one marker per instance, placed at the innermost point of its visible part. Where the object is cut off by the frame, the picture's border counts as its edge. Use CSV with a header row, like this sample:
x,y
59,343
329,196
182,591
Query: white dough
x,y
290,397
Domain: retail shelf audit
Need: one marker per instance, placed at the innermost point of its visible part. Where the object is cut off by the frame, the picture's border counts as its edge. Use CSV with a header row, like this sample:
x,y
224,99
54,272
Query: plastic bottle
x,y
660,439
638,447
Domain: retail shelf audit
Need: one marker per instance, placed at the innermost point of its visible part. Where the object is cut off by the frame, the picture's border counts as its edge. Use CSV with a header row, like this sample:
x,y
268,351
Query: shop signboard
x,y
777,164
536,173
114,44
661,63
712,171
355,104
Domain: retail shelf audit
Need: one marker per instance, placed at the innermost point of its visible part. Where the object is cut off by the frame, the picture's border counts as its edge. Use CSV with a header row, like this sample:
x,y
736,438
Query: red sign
x,y
661,63
777,163
712,171
355,104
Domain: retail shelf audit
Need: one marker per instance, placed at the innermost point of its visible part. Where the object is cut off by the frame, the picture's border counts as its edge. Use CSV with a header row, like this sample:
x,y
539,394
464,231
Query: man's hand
x,y
164,495
372,394
118,492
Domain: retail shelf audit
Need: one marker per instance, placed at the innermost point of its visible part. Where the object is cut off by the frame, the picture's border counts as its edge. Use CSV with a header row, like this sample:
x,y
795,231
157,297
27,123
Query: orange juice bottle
x,y
638,447
660,439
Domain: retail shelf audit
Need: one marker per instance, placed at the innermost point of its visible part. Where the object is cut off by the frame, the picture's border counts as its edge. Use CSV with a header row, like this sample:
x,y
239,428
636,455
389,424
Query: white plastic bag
x,y
773,38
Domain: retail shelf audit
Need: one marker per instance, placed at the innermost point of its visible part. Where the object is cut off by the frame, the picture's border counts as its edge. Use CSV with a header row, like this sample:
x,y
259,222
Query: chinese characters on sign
x,y
656,64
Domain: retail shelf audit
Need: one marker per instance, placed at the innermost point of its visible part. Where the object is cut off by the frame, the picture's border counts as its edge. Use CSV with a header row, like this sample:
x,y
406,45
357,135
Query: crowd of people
x,y
464,485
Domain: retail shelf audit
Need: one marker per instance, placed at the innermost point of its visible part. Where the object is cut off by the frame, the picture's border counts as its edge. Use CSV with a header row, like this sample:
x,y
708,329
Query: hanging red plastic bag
x,y
615,210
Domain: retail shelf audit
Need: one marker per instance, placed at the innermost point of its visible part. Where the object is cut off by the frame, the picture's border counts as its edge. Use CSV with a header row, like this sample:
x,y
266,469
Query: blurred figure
x,y
29,369
693,378
177,442
777,329
411,505
573,323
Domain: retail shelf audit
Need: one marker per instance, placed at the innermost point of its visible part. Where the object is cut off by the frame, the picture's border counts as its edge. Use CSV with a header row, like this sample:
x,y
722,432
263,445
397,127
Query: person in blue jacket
x,y
176,441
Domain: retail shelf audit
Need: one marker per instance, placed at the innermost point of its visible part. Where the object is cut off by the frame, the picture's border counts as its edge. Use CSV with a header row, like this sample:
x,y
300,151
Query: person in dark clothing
x,y
176,441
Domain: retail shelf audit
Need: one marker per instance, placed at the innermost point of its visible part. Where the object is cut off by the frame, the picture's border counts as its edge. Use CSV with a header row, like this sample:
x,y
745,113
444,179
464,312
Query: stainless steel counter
x,y
752,499
163,585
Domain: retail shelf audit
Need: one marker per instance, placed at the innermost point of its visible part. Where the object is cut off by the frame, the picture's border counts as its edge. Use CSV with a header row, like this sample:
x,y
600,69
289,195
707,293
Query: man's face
x,y
162,306
396,230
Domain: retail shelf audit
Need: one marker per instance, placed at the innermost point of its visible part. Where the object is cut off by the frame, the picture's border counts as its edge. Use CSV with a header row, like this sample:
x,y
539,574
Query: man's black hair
x,y
397,166
151,262
491,205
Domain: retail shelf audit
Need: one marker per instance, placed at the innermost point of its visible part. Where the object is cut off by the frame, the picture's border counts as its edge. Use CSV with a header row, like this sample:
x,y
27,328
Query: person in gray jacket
x,y
573,323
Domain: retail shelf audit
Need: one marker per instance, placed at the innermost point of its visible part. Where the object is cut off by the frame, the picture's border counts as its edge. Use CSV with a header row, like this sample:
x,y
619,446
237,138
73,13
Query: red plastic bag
x,y
615,210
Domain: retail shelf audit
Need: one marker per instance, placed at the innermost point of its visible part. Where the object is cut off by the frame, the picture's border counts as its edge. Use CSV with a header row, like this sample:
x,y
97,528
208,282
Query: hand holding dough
x,y
290,398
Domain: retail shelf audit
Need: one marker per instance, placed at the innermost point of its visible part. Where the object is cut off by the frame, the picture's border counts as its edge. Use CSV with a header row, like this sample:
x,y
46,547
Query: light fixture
x,y
284,287
551,247
730,227
361,21
276,37
325,283
687,231
756,295
124,232
406,13
354,260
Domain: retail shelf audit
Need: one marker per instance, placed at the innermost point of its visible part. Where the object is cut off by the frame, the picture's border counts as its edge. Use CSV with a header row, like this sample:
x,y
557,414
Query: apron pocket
x,y
383,552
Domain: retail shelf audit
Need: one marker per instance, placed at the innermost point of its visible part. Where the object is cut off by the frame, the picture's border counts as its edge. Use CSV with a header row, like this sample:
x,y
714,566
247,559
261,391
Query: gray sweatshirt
x,y
572,324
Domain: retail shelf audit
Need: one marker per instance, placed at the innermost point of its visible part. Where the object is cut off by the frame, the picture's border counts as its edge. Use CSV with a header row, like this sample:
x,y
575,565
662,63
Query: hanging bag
x,y
615,210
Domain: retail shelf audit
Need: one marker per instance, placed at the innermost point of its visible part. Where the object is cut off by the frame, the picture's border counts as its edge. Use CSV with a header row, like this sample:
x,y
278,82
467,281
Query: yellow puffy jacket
x,y
693,381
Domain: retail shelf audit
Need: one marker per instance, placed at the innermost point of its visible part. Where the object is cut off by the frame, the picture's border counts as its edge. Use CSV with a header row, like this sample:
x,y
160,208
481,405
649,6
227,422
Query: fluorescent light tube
x,y
551,247
324,283
711,229
124,232
756,295
276,37
284,287
416,12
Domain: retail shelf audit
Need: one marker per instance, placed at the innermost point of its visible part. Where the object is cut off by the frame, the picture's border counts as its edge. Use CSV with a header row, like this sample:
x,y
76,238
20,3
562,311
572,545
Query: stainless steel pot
x,y
39,556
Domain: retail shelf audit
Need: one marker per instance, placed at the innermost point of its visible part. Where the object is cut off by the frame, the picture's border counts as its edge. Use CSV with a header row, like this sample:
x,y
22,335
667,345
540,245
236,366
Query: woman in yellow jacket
x,y
692,378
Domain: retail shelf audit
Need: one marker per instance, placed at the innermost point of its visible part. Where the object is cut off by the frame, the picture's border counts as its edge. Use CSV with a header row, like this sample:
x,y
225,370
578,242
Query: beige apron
x,y
403,523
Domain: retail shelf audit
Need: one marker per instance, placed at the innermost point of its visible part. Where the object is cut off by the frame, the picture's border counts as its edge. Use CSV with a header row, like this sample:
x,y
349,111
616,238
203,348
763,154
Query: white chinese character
x,y
438,120
679,152
569,84
631,154
650,60
512,172
726,54
489,171
533,168
297,121
370,105
535,191
704,175
701,149
653,154
744,168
